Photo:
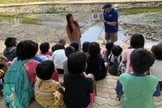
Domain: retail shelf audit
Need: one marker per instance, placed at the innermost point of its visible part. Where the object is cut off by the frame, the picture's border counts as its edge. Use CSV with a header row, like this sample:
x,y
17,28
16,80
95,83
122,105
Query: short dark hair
x,y
109,45
75,45
26,49
62,41
45,70
117,50
10,42
57,47
85,46
77,63
141,60
44,47
69,50
94,49
137,41
157,51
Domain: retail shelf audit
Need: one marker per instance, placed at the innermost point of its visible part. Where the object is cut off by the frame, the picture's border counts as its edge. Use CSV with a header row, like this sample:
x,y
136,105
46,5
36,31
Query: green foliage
x,y
136,10
22,1
26,20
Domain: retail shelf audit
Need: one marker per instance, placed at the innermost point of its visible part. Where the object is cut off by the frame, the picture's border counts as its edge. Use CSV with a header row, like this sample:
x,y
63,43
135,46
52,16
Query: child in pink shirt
x,y
136,41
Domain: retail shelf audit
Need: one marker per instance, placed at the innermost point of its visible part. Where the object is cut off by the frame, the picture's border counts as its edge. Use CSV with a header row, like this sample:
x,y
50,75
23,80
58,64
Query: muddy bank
x,y
53,27
148,24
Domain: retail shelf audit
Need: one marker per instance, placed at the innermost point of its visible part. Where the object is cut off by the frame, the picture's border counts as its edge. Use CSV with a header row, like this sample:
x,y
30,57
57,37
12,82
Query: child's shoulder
x,y
32,61
152,77
129,50
30,64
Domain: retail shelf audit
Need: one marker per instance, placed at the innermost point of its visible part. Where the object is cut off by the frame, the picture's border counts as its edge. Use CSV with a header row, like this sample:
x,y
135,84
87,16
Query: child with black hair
x,y
57,47
107,50
68,51
136,90
10,51
62,41
95,63
85,48
44,53
77,86
137,41
58,57
114,60
75,45
156,69
44,49
20,76
48,93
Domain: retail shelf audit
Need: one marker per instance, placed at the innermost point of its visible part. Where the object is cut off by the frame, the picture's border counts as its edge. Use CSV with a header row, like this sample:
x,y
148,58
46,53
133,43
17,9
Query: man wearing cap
x,y
110,19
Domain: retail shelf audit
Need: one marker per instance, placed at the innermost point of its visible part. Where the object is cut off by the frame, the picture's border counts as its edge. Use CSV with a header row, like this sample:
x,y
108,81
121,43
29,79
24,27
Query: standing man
x,y
110,19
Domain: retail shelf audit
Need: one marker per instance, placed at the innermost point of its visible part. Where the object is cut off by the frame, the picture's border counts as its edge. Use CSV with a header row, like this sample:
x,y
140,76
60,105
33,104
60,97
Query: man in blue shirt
x,y
110,19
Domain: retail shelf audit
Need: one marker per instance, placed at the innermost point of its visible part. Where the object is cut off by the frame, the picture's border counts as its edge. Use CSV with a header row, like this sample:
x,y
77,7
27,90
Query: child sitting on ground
x,y
156,69
136,90
58,57
68,51
107,51
10,51
136,41
62,41
20,76
85,48
114,60
45,53
75,45
48,93
95,63
77,86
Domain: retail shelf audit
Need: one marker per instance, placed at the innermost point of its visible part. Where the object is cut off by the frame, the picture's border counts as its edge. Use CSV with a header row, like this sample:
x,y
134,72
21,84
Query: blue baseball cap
x,y
107,5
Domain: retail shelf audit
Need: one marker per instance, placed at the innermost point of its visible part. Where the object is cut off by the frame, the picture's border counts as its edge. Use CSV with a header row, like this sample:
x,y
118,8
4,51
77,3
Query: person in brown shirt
x,y
73,29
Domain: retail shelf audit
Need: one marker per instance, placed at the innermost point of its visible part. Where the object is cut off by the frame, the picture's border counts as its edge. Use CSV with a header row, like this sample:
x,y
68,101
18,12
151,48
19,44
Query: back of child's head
x,y
57,47
45,70
77,63
62,41
137,41
10,42
157,51
44,47
85,46
109,45
75,45
94,49
26,49
141,60
69,50
117,50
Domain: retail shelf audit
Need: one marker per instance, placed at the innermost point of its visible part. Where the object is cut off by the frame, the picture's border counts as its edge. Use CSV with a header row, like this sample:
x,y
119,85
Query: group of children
x,y
37,72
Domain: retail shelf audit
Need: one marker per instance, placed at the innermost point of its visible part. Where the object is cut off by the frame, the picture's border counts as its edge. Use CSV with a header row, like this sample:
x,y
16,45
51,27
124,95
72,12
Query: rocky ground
x,y
150,25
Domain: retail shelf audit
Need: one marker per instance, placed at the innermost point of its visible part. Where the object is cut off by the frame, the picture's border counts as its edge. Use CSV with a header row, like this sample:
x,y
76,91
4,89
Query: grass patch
x,y
6,18
26,20
136,10
21,1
